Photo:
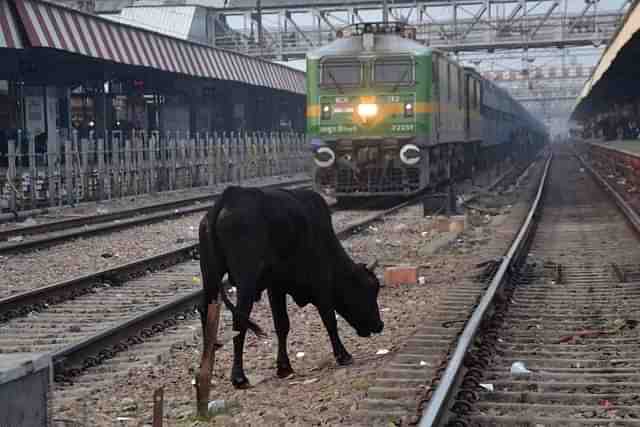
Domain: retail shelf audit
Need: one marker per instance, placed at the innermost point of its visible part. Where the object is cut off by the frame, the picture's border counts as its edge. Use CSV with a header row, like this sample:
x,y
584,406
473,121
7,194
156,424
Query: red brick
x,y
401,275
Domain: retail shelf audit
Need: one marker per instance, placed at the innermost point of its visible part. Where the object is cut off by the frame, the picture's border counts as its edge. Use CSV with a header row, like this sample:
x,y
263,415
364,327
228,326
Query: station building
x,y
64,70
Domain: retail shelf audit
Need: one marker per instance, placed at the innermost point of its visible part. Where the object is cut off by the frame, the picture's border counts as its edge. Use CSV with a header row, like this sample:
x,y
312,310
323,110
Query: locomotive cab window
x,y
394,71
341,73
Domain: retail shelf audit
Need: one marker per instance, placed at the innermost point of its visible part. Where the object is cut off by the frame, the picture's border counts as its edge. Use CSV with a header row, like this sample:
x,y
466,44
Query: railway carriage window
x,y
448,82
475,94
453,84
460,88
341,73
398,70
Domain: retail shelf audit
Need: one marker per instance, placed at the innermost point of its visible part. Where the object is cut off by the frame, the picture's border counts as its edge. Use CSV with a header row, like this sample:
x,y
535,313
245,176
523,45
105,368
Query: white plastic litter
x,y
487,386
423,363
216,405
28,222
422,280
519,368
300,354
384,310
310,381
382,351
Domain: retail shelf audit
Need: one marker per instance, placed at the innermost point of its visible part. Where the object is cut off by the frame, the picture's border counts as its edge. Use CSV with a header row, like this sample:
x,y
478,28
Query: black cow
x,y
283,241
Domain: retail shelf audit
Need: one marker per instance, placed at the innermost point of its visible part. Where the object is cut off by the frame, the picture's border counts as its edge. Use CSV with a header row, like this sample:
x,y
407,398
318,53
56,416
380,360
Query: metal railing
x,y
118,164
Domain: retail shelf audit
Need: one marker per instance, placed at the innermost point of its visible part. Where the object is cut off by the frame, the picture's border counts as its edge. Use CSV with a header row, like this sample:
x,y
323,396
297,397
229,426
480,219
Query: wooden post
x,y
83,153
154,176
51,172
192,158
116,143
174,161
235,138
75,164
268,154
33,170
158,407
11,175
101,177
210,159
241,155
141,169
127,176
203,379
68,167
226,158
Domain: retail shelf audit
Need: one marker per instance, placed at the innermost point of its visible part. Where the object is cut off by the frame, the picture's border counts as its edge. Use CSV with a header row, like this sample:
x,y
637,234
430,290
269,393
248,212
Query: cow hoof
x,y
284,372
241,383
345,360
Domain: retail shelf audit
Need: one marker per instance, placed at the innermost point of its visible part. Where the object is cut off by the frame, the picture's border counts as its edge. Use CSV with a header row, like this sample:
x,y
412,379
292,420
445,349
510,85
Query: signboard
x,y
34,109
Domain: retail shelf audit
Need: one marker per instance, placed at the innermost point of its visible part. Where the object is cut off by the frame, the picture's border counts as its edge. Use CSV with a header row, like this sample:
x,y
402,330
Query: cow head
x,y
358,302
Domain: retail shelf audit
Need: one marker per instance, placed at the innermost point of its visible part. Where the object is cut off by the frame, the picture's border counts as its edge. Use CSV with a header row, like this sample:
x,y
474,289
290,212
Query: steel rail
x,y
111,216
93,348
144,215
36,299
629,213
499,180
438,405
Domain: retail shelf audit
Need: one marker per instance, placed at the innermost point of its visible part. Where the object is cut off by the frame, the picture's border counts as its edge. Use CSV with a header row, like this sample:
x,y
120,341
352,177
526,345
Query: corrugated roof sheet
x,y
171,21
9,35
51,26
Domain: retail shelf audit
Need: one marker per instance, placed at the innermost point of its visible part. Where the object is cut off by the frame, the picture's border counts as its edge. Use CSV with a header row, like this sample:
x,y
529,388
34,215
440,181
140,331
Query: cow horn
x,y
373,265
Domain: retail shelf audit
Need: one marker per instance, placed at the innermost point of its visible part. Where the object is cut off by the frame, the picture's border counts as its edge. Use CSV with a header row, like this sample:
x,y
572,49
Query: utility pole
x,y
259,19
385,12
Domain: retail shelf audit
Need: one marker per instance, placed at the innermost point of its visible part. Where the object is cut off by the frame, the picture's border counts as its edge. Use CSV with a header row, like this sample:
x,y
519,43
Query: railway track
x,y
90,322
401,384
40,235
554,341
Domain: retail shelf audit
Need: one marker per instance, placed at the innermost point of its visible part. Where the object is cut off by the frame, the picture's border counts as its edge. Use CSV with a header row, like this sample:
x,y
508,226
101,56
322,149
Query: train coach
x,y
388,116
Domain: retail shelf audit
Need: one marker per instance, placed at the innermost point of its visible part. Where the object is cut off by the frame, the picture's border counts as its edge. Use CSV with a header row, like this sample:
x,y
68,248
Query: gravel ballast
x,y
320,393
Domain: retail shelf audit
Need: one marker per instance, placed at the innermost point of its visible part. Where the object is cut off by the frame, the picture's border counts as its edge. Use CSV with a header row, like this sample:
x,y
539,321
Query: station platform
x,y
630,147
24,389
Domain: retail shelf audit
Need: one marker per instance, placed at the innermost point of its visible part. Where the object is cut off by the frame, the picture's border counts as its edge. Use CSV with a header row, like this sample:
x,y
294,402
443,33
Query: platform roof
x,y
9,33
45,25
615,77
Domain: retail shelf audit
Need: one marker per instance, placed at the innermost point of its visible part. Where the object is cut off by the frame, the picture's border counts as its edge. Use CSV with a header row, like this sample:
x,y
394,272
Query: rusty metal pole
x,y
203,379
158,407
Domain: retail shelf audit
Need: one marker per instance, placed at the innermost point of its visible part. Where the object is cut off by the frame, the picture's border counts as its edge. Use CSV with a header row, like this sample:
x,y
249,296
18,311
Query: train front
x,y
368,112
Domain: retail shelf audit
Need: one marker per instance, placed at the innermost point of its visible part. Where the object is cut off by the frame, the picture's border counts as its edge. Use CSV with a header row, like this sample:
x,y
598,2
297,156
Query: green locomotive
x,y
389,116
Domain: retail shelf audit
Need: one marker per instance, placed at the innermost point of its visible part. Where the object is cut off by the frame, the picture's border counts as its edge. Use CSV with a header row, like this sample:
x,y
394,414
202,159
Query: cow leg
x,y
278,301
238,378
341,354
246,295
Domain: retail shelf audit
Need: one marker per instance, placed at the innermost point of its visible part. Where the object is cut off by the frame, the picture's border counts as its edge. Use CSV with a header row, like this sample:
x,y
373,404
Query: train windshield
x,y
341,73
393,71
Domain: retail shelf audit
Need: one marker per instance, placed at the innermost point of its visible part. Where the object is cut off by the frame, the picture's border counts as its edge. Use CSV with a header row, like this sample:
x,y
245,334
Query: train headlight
x,y
325,111
367,110
410,154
408,109
324,157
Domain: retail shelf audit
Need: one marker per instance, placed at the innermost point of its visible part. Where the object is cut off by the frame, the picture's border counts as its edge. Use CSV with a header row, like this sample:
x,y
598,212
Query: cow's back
x,y
278,220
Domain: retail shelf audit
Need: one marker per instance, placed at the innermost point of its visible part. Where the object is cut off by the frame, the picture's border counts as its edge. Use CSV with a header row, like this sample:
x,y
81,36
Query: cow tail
x,y
210,278
250,323
210,260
